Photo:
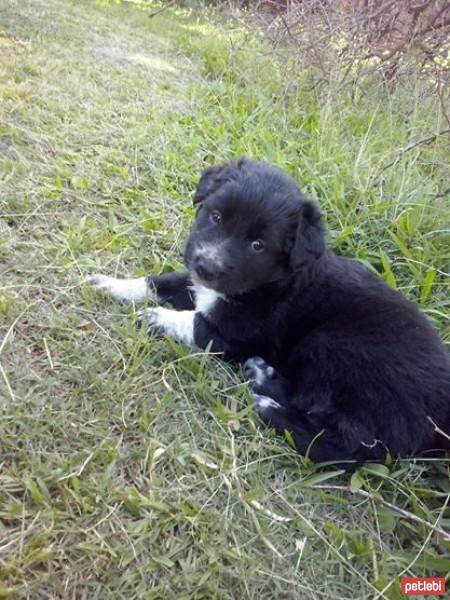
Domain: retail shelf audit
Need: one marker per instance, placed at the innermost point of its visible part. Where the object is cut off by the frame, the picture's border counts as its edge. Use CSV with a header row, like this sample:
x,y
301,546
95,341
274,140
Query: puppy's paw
x,y
258,371
162,321
98,281
264,403
124,290
150,319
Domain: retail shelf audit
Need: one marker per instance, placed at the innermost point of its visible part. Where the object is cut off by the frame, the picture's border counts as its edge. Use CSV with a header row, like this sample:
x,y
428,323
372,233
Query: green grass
x,y
128,467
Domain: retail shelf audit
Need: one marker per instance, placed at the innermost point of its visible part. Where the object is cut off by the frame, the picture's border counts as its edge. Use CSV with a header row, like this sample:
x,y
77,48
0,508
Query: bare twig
x,y
162,9
401,511
438,429
441,88
386,30
422,142
443,194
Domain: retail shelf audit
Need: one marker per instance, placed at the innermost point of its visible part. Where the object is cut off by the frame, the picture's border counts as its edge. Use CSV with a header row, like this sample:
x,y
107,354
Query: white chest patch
x,y
205,298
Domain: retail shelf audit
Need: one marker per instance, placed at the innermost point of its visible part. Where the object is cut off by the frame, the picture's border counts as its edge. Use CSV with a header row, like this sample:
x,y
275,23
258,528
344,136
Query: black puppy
x,y
344,363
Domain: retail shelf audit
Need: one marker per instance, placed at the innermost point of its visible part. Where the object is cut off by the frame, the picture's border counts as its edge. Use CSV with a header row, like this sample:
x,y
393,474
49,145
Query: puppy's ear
x,y
214,177
209,183
309,244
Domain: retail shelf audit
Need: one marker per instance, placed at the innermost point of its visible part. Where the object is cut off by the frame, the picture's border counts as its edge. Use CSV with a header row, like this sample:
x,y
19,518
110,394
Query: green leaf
x,y
386,519
319,478
163,560
376,469
256,494
388,274
34,491
356,482
334,532
431,563
40,556
79,183
290,439
427,284
393,591
405,252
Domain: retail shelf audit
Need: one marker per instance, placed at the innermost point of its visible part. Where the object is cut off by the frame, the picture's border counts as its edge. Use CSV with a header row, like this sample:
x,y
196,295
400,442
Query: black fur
x,y
359,371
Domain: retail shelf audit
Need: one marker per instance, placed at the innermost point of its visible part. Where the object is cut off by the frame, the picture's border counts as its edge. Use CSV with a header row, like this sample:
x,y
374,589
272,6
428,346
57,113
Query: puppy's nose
x,y
206,268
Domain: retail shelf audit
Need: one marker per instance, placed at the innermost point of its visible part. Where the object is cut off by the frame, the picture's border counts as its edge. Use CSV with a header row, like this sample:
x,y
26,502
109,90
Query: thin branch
x,y
432,25
443,107
443,194
162,9
422,142
438,429
401,511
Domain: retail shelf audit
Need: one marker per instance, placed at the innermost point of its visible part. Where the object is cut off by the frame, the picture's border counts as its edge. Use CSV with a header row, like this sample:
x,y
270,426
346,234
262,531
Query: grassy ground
x,y
129,468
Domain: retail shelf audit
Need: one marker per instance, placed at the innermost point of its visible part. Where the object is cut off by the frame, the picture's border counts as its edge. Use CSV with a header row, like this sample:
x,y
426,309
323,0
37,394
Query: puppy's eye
x,y
215,217
258,246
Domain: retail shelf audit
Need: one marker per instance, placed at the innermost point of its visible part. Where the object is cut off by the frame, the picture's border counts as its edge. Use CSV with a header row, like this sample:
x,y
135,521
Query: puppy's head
x,y
253,228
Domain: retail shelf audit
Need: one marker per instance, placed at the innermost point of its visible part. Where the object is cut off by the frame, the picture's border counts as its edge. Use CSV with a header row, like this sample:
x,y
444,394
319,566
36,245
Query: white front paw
x,y
100,282
151,320
178,325
124,290
263,403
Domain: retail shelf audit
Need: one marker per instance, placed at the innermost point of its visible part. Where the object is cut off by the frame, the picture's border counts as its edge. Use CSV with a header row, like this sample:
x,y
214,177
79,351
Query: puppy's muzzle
x,y
206,268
